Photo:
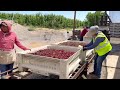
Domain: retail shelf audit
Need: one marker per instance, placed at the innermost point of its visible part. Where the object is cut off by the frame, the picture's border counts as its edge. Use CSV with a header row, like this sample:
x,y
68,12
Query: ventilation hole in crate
x,y
76,70
73,74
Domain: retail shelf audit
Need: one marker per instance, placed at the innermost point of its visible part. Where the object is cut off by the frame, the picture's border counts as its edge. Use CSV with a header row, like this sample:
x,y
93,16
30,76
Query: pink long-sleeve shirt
x,y
7,40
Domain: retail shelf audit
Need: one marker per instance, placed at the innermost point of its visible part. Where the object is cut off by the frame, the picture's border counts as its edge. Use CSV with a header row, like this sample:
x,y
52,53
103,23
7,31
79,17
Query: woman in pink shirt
x,y
7,52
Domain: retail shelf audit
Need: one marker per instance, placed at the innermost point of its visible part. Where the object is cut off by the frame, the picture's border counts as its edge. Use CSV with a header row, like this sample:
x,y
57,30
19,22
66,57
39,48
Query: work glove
x,y
84,48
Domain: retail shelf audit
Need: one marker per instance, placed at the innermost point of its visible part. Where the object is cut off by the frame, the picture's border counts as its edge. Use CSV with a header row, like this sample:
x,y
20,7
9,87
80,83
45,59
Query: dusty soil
x,y
40,37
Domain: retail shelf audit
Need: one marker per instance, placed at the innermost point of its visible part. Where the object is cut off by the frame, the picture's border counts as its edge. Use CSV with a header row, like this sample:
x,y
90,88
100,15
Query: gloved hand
x,y
84,48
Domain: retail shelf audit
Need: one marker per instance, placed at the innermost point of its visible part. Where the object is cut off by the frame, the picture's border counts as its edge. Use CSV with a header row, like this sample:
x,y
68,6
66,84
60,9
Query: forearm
x,y
95,44
91,47
21,46
89,44
18,43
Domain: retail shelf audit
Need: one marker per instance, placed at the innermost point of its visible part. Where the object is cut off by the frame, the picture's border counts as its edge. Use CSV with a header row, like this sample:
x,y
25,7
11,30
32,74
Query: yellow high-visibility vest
x,y
104,47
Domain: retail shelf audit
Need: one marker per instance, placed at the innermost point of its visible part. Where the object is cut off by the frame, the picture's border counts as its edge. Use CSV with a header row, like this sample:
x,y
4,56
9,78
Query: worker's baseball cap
x,y
92,30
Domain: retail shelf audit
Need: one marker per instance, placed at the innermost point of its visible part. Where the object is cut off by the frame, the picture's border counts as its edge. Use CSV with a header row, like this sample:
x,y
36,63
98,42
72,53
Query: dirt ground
x,y
40,37
32,39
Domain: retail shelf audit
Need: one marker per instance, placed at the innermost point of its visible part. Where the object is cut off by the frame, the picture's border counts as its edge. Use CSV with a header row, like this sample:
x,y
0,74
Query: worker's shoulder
x,y
0,31
13,33
85,30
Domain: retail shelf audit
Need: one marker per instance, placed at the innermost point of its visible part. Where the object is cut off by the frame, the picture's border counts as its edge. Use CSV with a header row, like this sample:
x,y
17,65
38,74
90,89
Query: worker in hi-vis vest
x,y
101,46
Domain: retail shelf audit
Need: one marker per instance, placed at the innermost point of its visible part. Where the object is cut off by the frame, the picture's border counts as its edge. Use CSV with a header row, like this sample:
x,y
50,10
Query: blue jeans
x,y
5,67
98,60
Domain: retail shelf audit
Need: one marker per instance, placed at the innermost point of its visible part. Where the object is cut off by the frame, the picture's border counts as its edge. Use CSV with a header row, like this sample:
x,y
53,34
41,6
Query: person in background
x,y
101,46
82,34
7,51
68,36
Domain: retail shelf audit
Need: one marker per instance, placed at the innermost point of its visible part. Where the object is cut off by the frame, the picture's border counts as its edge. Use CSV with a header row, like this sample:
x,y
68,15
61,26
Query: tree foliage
x,y
47,21
53,21
94,18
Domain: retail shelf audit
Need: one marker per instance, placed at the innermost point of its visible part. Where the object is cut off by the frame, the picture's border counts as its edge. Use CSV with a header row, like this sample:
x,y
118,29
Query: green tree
x,y
47,21
94,18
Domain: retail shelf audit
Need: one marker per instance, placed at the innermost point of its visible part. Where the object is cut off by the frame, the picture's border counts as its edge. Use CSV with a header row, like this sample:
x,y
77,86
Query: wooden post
x,y
74,24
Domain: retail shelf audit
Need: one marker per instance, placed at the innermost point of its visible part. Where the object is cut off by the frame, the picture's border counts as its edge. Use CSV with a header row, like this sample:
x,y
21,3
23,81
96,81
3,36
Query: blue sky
x,y
80,15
